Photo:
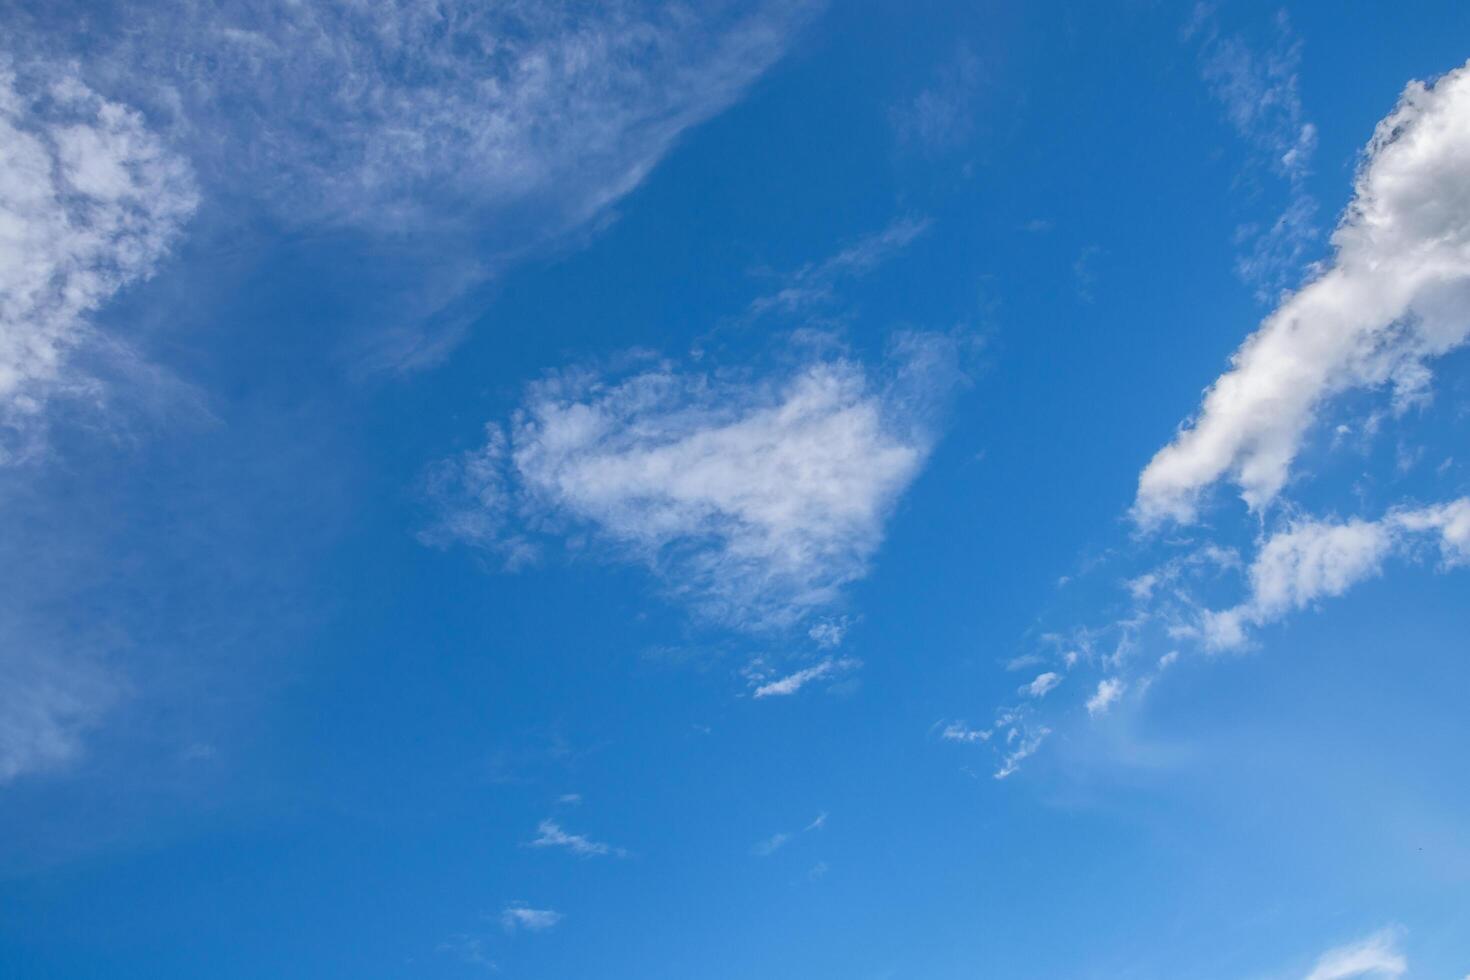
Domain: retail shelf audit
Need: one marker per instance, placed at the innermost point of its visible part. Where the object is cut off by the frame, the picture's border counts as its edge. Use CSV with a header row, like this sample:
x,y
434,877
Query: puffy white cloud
x,y
1450,521
1042,684
1109,690
756,500
1375,956
1313,560
90,201
1394,295
519,917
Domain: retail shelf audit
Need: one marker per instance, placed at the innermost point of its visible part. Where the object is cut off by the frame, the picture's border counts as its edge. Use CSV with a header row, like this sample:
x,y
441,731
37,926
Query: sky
x,y
727,490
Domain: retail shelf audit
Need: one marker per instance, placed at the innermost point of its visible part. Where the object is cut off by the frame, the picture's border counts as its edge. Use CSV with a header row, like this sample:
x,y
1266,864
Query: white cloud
x,y
337,109
754,500
550,834
776,841
1257,85
507,126
958,731
1313,560
1393,297
829,634
518,917
1109,690
794,682
816,283
90,202
1452,523
1025,745
1260,92
1042,684
1376,956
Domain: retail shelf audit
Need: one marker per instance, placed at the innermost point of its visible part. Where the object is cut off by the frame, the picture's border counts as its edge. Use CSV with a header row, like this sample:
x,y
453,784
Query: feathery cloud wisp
x,y
1376,956
90,202
550,834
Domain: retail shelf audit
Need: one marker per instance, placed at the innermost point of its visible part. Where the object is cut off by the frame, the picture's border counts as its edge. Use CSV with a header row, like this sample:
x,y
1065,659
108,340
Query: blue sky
x,y
752,490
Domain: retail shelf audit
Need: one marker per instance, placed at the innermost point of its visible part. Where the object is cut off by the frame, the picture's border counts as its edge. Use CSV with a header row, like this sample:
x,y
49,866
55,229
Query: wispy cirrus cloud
x,y
404,110
91,201
816,283
1376,957
778,840
754,498
795,681
501,128
1259,89
1391,299
549,833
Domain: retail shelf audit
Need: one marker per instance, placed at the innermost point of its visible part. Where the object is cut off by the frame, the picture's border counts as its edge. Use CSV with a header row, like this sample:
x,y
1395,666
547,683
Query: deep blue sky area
x,y
769,490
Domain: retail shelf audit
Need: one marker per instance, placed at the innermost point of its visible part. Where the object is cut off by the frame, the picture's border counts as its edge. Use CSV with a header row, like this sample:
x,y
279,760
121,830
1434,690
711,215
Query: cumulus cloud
x,y
1393,297
90,202
550,834
518,917
754,499
1376,956
1312,560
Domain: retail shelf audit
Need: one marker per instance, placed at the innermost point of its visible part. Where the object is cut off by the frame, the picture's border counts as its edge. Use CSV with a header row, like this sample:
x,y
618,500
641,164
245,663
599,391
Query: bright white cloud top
x,y
90,201
755,499
1393,297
